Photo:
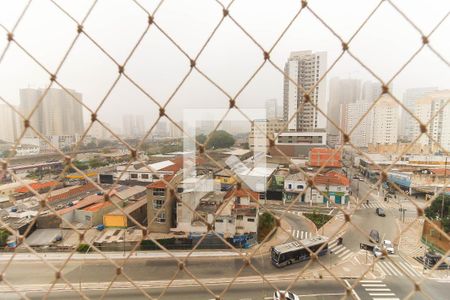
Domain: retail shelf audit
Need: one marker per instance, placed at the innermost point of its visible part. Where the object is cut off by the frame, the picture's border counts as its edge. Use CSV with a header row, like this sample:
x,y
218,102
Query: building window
x,y
161,218
158,192
219,221
238,200
289,186
144,176
133,176
239,217
299,186
251,220
158,203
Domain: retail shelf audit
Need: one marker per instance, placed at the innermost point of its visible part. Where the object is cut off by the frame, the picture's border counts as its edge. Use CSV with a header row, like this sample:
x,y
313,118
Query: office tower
x,y
372,90
433,110
133,126
409,100
9,127
342,91
352,119
160,129
271,109
385,121
57,114
305,68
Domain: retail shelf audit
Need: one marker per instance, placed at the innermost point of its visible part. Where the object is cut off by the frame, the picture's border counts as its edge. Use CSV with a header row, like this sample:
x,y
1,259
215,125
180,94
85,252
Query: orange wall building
x,y
319,157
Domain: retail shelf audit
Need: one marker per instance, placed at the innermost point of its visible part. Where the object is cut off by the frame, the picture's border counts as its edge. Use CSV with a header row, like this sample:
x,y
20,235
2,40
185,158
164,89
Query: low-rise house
x,y
161,204
333,185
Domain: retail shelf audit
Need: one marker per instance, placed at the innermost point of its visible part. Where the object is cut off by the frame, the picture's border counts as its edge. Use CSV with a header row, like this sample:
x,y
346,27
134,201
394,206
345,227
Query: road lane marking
x,y
385,298
381,294
373,284
356,296
379,290
370,281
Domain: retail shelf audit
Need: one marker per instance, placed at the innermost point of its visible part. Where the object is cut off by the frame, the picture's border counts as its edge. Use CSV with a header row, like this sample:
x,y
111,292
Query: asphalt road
x,y
21,273
309,289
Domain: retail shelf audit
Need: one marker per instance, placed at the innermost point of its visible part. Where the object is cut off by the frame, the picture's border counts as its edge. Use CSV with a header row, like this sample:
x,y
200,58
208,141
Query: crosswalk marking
x,y
341,251
403,269
378,290
409,269
372,204
300,234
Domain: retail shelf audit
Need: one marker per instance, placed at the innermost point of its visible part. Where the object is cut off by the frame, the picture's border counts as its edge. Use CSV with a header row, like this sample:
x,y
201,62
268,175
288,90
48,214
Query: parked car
x,y
361,179
287,295
379,211
374,236
387,244
377,252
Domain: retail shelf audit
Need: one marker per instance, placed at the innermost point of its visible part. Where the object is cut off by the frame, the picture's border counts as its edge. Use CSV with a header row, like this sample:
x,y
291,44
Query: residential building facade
x,y
305,69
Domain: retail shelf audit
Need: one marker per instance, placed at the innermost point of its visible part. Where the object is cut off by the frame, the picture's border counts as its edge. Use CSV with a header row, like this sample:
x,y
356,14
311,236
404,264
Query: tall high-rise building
x,y
133,126
305,68
271,109
9,127
385,121
434,110
372,90
353,119
342,91
409,100
57,114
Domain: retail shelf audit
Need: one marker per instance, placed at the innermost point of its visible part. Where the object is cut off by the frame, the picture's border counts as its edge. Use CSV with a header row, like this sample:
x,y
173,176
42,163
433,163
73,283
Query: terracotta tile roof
x,y
73,192
332,178
242,193
97,206
37,186
160,184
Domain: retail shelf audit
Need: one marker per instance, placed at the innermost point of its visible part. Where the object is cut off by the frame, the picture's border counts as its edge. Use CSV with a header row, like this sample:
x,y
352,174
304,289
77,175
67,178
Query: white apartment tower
x,y
271,109
305,68
385,121
409,100
434,110
261,130
353,118
9,126
57,114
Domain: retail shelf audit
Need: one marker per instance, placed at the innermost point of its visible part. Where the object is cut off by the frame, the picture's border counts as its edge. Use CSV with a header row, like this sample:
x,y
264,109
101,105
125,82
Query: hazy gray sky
x,y
384,44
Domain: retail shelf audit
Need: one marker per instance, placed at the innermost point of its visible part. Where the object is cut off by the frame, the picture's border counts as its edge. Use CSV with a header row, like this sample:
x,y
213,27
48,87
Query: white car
x,y
377,252
278,295
387,244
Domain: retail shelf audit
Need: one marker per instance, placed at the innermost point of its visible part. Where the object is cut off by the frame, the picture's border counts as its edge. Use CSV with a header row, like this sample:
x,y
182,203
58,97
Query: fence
x,y
155,23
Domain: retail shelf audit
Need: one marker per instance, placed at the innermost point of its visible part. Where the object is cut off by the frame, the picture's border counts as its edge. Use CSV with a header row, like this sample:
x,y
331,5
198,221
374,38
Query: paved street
x,y
381,281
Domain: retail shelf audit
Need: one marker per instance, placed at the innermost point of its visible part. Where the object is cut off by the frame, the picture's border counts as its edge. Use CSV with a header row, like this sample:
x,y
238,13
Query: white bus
x,y
293,252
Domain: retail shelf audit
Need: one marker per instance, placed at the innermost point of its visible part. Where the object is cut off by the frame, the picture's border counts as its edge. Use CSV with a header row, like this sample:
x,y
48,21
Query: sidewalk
x,y
61,256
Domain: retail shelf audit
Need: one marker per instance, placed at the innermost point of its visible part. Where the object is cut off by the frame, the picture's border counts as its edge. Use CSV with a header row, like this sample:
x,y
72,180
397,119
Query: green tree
x,y
4,234
434,211
220,139
265,225
201,138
